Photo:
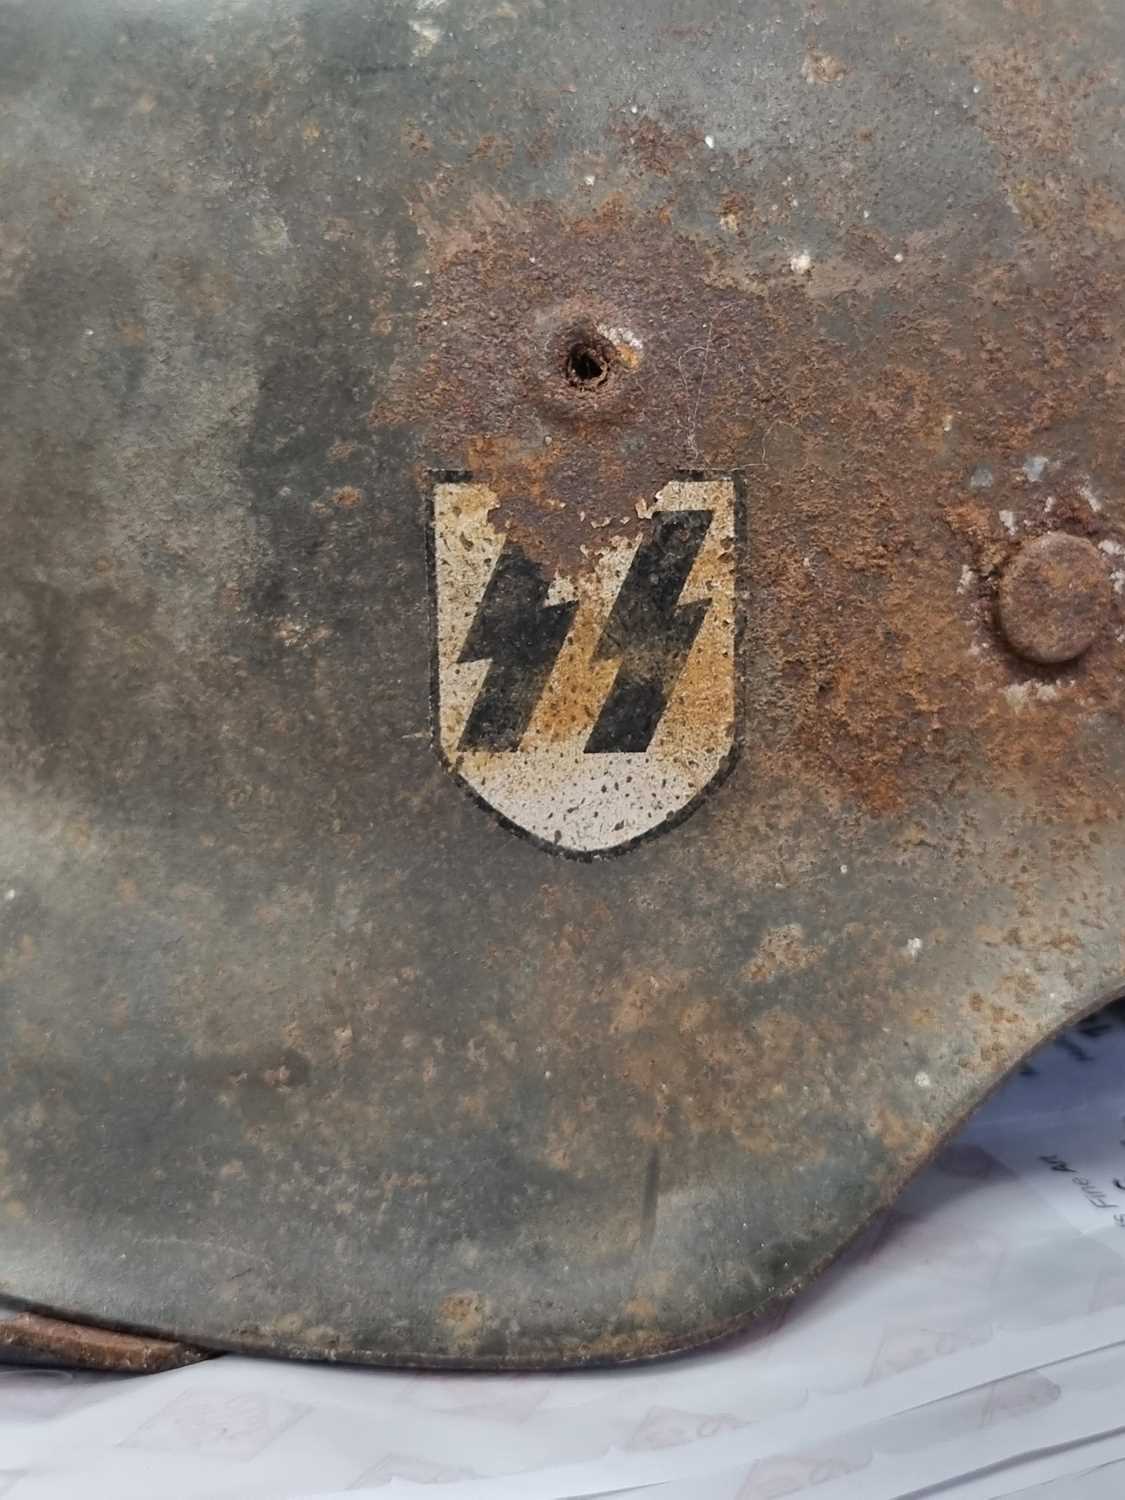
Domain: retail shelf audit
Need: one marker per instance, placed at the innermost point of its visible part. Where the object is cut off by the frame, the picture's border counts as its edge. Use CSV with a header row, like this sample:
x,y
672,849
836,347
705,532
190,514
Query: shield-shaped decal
x,y
588,708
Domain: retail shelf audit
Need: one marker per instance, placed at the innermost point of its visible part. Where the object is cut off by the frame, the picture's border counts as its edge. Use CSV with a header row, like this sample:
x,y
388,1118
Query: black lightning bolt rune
x,y
650,631
523,635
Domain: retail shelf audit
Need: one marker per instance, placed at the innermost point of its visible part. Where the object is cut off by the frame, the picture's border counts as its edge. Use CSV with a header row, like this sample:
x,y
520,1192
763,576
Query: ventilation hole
x,y
587,366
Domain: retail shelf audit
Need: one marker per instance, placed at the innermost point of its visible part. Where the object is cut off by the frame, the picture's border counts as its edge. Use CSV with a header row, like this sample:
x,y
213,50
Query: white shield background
x,y
550,785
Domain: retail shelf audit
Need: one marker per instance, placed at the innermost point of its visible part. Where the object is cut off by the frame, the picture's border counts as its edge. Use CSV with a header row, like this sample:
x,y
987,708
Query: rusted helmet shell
x,y
641,406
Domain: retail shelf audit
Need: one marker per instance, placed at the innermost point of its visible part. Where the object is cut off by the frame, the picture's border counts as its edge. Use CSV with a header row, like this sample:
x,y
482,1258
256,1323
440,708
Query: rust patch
x,y
875,661
463,1314
657,146
822,67
783,950
29,1338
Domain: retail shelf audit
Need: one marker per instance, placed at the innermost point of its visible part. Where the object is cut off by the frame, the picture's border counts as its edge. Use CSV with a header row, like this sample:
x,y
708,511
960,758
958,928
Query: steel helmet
x,y
563,646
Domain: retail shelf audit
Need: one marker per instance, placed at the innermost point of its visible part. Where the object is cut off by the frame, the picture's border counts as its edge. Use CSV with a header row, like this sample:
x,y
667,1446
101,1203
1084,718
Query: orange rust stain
x,y
873,680
902,1135
822,67
783,950
657,147
415,139
463,1315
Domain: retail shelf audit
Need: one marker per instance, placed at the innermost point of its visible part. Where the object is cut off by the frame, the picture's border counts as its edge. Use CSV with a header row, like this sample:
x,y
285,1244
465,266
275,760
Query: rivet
x,y
1055,598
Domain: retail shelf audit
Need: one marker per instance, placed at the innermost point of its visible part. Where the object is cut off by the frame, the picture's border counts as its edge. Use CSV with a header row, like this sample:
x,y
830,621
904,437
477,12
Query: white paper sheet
x,y
1099,1478
1001,1263
1040,1417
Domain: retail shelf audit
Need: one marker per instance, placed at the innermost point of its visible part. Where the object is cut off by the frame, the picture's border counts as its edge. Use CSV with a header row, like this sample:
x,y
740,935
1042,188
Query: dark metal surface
x,y
300,1050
